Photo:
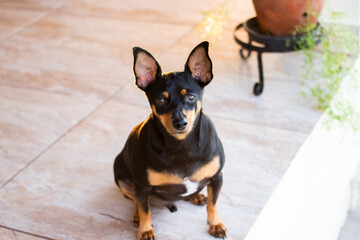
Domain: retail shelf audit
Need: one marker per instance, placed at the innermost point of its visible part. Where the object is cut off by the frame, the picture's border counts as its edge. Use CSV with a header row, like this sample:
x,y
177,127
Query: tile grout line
x,y
21,28
59,138
27,233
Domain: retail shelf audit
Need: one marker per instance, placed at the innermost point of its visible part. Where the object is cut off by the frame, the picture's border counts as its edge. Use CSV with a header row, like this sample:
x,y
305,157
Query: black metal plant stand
x,y
270,44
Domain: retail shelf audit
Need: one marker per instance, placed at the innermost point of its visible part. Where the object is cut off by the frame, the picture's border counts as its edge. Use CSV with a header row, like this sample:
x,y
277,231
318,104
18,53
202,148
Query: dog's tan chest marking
x,y
206,171
162,178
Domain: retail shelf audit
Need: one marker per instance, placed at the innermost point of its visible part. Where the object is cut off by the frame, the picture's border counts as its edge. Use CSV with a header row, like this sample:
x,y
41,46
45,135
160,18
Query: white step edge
x,y
312,199
355,190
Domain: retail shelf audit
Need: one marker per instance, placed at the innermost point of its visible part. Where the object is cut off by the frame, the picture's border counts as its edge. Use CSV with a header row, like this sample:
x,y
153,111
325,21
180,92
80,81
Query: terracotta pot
x,y
280,17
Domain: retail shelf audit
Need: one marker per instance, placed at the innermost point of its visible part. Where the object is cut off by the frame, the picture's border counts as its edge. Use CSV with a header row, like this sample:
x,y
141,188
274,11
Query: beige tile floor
x,y
68,102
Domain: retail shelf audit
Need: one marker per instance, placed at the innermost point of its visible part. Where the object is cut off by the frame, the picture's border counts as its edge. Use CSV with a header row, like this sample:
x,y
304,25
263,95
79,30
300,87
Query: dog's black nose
x,y
180,124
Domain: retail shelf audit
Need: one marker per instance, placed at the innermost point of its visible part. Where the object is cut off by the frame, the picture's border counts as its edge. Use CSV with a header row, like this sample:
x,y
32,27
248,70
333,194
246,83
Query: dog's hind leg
x,y
199,199
127,189
128,193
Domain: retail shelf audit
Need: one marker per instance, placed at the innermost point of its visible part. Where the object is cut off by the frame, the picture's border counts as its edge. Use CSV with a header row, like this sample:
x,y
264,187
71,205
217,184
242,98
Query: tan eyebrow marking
x,y
166,94
183,91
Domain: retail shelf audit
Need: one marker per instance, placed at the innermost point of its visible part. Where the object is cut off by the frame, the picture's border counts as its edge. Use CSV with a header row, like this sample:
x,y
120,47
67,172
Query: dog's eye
x,y
161,101
190,98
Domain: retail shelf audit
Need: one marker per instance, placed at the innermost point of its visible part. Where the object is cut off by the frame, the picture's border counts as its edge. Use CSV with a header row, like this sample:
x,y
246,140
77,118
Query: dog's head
x,y
175,98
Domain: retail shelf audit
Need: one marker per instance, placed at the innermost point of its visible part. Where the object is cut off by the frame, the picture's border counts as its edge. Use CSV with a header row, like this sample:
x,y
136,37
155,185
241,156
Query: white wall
x,y
312,198
351,8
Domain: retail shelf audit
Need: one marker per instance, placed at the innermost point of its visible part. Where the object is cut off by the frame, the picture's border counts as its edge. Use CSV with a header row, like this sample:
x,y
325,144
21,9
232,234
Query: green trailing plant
x,y
326,64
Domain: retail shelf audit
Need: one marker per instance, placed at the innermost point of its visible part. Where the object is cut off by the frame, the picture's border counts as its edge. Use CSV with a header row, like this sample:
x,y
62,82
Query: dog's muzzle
x,y
179,121
180,124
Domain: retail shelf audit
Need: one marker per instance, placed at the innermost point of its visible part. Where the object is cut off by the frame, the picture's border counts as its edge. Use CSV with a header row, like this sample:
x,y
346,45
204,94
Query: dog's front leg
x,y
145,231
216,227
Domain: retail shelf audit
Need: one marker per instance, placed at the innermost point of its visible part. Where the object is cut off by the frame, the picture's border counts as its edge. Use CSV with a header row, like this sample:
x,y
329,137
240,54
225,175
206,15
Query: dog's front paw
x,y
218,230
148,235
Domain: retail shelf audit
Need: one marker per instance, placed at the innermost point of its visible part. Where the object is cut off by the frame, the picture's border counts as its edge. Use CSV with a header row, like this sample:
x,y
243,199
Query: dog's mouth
x,y
180,132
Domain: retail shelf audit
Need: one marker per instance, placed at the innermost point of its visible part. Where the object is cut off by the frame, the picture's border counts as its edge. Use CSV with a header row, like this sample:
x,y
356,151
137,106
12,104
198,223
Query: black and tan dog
x,y
175,152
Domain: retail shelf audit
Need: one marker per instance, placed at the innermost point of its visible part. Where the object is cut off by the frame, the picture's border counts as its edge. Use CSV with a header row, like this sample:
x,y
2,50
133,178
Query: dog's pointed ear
x,y
146,68
199,64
